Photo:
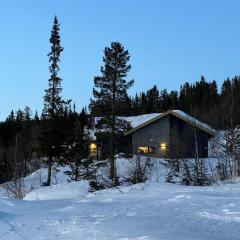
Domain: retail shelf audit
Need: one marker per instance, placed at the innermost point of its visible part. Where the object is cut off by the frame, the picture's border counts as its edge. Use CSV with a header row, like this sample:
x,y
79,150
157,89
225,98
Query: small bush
x,y
16,188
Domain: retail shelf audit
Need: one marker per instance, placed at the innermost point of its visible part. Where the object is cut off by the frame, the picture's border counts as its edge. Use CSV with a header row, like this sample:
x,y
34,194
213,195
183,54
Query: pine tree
x,y
153,100
76,155
53,103
109,89
36,117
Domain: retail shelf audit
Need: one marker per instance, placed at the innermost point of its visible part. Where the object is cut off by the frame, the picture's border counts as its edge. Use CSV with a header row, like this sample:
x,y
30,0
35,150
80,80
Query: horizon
x,y
169,42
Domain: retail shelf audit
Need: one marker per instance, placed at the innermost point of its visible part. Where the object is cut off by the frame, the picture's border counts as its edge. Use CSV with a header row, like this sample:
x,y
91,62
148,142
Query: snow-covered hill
x,y
150,211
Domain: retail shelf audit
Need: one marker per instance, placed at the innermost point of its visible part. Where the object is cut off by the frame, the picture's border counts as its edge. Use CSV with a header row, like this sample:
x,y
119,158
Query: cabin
x,y
172,134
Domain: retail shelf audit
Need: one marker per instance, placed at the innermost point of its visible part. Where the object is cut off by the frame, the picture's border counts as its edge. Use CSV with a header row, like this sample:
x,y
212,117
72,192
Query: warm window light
x,y
163,146
146,149
93,147
143,149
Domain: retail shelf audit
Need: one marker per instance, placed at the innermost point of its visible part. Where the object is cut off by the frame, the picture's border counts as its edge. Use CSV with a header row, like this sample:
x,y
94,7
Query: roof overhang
x,y
193,121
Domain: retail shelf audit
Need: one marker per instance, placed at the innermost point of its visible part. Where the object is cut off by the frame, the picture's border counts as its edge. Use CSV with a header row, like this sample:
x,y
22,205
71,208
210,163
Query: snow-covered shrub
x,y
225,147
200,175
139,170
83,170
16,188
100,180
188,171
172,167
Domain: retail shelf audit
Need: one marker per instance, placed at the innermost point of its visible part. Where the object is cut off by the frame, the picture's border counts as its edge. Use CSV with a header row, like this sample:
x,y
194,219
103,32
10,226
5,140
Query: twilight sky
x,y
170,42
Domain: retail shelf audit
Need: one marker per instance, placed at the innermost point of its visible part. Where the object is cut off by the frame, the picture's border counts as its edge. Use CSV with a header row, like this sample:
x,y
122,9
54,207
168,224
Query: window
x,y
163,147
145,149
151,149
93,148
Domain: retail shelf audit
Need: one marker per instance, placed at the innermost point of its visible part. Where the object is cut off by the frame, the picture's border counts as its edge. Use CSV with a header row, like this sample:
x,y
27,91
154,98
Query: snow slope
x,y
141,212
60,191
150,211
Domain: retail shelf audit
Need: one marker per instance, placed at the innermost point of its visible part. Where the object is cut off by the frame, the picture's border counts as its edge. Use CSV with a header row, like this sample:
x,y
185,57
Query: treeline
x,y
20,133
217,106
23,140
18,137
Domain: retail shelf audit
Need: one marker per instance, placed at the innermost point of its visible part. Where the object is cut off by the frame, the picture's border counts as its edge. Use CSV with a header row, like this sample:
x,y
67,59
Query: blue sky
x,y
170,42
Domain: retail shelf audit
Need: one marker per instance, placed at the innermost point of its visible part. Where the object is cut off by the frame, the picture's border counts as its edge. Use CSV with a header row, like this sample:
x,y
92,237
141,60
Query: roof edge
x,y
209,131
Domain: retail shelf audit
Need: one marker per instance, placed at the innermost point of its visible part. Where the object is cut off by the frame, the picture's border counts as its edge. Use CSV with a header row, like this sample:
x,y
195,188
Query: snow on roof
x,y
193,120
140,119
178,113
92,134
143,120
135,120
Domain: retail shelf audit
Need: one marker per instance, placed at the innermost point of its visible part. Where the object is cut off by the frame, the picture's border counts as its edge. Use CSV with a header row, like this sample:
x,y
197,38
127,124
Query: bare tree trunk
x,y
196,152
112,159
238,164
49,177
138,169
186,170
113,173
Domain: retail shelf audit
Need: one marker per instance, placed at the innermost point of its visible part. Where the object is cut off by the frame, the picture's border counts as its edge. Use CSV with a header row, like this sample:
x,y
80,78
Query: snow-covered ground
x,y
150,211
154,210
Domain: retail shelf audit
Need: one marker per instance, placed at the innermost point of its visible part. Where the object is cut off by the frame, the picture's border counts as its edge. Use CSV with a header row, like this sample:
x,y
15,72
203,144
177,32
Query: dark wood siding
x,y
177,134
152,136
182,143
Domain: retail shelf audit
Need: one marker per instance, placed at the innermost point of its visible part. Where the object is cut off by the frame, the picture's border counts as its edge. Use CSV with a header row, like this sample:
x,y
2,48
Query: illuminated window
x,y
93,148
142,149
145,149
163,146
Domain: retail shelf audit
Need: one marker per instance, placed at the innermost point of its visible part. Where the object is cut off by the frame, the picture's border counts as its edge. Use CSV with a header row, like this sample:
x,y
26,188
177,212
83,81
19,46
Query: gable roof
x,y
133,120
179,114
140,119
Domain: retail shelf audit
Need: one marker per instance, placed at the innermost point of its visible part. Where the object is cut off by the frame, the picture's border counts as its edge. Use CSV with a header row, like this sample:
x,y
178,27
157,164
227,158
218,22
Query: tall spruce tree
x,y
53,103
109,88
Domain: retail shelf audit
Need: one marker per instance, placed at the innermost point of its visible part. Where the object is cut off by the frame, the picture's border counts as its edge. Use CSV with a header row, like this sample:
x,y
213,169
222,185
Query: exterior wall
x,y
183,140
170,130
152,136
178,136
